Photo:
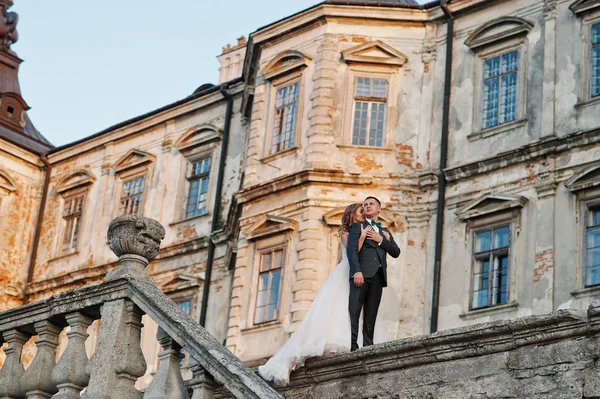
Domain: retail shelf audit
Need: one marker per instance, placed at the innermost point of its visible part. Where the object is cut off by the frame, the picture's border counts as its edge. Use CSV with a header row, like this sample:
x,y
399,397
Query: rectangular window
x,y
197,196
186,306
269,281
286,113
131,196
490,267
370,97
592,248
499,103
72,223
595,61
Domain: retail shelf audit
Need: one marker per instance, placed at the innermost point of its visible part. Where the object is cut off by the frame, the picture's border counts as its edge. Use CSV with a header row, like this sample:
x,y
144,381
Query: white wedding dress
x,y
325,328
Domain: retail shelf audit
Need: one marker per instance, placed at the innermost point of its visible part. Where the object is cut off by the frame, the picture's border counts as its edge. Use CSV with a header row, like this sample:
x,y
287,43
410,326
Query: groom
x,y
368,270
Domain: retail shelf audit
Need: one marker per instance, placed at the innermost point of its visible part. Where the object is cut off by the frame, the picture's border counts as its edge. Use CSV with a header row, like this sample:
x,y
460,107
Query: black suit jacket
x,y
371,255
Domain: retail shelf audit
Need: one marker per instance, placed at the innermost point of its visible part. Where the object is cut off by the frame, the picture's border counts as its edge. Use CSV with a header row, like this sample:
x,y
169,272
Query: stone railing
x,y
117,362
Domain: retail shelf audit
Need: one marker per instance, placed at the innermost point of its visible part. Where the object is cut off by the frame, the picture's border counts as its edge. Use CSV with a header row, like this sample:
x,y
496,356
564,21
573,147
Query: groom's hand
x,y
359,280
372,235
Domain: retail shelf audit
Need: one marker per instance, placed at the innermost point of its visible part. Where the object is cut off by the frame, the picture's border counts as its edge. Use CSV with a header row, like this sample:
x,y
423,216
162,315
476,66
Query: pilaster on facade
x,y
255,138
237,295
320,137
550,53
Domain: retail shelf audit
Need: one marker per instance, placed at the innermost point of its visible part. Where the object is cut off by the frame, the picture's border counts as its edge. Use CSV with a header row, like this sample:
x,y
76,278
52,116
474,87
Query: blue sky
x,y
91,64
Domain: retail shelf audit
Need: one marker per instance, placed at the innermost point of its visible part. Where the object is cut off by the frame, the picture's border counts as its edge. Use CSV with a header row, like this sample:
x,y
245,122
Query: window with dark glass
x,y
131,196
269,282
592,247
186,306
490,267
595,61
198,194
499,102
370,97
72,212
286,113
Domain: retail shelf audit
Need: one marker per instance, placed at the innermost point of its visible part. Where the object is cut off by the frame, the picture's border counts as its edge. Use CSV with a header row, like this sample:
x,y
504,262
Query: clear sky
x,y
91,64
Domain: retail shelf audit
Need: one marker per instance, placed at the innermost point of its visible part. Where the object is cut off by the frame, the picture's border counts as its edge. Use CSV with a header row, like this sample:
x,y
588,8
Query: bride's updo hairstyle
x,y
348,217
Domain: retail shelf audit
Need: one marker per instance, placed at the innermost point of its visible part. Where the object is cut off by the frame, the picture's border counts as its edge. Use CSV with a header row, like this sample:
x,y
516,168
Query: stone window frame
x,y
585,187
361,65
284,248
588,14
493,39
134,164
76,184
284,70
477,217
267,233
197,143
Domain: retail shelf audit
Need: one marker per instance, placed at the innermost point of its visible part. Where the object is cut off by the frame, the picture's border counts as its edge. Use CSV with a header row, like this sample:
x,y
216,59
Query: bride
x,y
326,326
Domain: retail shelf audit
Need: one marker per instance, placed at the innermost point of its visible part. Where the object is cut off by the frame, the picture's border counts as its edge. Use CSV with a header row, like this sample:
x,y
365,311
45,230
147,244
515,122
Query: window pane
x,y
482,241
595,71
481,283
500,279
263,282
379,88
501,237
271,313
285,118
593,217
259,315
185,306
592,276
593,239
359,131
491,67
510,61
377,123
489,105
265,262
261,297
596,33
363,87
278,259
508,98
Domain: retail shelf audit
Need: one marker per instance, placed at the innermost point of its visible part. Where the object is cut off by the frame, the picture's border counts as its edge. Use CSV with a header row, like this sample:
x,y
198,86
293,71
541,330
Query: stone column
x,y
549,85
203,384
543,271
70,374
168,382
12,371
36,380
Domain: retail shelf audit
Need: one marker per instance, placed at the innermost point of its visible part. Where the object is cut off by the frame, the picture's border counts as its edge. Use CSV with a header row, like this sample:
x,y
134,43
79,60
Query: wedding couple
x,y
351,294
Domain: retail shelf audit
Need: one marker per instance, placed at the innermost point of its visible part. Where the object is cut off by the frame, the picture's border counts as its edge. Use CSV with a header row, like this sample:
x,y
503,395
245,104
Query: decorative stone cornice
x,y
76,179
269,225
584,6
587,178
498,30
285,62
132,159
375,52
198,136
490,203
6,181
526,153
330,176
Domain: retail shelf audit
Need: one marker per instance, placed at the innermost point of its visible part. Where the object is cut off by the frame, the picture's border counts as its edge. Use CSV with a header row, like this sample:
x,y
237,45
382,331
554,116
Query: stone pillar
x,y
203,384
412,296
255,135
309,256
37,379
168,382
543,271
237,301
70,374
320,136
12,371
549,85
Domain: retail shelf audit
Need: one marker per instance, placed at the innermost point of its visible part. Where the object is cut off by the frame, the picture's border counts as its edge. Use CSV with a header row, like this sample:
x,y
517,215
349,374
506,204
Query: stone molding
x,y
526,153
82,177
584,6
497,30
500,202
366,53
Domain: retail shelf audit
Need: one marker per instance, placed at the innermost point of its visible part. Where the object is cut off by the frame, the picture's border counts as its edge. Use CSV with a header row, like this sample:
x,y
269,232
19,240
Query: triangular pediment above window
x,y
587,178
6,181
498,30
198,136
270,225
490,203
76,179
180,281
132,159
376,52
334,217
584,6
285,62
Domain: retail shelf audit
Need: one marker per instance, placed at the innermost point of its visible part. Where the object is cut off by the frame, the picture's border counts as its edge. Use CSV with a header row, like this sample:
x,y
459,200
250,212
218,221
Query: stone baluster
x,y
168,382
13,370
203,384
70,374
118,360
37,379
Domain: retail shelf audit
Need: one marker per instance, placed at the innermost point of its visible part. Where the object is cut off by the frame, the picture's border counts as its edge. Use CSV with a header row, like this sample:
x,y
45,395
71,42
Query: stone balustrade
x,y
118,303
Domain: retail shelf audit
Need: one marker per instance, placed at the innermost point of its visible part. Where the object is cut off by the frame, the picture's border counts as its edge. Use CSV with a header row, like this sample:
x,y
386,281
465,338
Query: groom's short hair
x,y
375,198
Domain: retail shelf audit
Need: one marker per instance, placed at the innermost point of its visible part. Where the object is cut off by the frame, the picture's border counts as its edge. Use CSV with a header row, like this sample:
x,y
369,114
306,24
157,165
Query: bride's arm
x,y
344,236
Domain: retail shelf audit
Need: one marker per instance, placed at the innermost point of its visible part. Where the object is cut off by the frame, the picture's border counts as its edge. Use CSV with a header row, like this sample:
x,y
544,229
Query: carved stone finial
x,y
136,241
8,25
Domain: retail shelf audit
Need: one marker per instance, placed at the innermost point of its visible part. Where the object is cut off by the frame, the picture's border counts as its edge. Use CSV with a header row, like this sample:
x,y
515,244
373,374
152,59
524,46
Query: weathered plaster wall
x,y
21,181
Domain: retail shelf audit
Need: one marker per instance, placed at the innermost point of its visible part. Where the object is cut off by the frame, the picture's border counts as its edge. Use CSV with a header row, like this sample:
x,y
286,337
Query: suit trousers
x,y
366,298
